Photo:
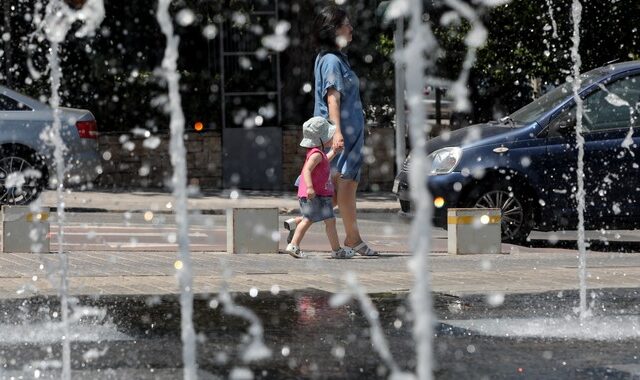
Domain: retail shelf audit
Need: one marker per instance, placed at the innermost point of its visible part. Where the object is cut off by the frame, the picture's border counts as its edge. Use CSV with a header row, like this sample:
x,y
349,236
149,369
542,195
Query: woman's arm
x,y
308,167
333,103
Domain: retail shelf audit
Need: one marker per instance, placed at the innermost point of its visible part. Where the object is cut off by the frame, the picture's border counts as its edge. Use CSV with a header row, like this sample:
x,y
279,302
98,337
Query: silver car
x,y
27,163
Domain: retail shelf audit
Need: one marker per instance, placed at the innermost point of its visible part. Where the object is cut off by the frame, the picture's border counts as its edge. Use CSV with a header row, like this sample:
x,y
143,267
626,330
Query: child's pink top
x,y
319,177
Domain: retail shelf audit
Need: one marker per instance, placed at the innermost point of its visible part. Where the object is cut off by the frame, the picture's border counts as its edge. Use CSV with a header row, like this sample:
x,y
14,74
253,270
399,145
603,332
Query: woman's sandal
x,y
363,249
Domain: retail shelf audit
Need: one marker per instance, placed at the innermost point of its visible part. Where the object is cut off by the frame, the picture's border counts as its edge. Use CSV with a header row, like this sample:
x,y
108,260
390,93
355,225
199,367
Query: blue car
x,y
526,163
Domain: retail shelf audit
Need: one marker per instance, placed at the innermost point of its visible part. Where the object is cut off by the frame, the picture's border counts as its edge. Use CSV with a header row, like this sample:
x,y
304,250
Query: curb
x,y
281,211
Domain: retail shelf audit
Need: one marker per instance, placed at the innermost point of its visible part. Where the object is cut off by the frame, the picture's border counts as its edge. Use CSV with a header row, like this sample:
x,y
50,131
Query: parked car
x,y
526,163
27,164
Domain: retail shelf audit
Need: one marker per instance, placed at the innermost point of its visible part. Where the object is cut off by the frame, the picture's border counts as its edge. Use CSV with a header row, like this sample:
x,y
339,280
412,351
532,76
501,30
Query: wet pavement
x,y
140,338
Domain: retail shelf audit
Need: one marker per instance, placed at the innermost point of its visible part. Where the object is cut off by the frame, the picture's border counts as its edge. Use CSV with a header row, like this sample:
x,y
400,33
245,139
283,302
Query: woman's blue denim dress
x,y
333,70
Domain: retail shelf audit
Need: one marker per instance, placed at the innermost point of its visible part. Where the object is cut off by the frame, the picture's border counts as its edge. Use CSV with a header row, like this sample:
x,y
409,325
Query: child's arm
x,y
332,153
308,167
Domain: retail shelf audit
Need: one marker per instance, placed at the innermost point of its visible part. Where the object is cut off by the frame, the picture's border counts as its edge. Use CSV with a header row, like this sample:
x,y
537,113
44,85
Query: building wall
x,y
137,162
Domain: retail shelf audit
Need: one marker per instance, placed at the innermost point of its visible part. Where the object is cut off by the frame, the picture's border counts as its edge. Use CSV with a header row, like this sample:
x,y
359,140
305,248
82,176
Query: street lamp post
x,y
401,146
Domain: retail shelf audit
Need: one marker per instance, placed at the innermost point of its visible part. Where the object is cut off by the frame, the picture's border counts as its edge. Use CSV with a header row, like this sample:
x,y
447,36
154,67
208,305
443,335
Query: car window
x,y
532,111
8,104
609,107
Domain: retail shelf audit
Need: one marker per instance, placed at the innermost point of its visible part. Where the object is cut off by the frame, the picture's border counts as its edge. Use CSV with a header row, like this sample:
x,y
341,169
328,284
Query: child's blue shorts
x,y
317,209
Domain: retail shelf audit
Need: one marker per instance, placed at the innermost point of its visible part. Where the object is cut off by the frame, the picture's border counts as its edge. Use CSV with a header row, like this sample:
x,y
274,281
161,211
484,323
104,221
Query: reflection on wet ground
x,y
140,338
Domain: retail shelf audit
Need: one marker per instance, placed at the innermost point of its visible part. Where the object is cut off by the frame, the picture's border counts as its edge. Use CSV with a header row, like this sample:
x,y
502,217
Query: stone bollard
x,y
24,231
473,230
252,230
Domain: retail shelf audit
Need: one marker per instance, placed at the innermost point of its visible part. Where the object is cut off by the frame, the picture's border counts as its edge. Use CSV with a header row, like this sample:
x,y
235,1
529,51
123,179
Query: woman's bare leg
x,y
332,233
347,204
334,178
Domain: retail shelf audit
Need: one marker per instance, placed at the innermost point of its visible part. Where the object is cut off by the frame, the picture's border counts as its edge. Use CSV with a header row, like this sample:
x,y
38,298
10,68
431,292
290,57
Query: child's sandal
x,y
295,251
343,253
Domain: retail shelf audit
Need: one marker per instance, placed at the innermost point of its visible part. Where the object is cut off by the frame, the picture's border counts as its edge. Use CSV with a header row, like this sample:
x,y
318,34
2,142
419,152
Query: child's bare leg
x,y
300,231
332,233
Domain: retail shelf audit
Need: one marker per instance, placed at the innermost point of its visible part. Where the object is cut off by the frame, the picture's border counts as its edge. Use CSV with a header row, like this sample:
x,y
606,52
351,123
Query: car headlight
x,y
444,160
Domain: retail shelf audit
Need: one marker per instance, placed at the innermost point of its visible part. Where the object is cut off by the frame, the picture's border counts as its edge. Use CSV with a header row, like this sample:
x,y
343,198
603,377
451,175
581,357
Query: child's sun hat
x,y
316,131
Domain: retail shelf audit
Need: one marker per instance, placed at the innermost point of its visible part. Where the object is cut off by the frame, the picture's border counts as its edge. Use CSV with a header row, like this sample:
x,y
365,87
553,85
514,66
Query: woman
x,y
337,98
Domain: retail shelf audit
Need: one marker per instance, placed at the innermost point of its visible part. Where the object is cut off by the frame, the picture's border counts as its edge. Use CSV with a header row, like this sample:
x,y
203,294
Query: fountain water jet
x,y
421,303
421,41
56,23
576,16
179,182
255,349
379,341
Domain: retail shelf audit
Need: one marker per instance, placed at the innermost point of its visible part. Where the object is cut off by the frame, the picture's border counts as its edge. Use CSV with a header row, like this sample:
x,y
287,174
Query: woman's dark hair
x,y
328,20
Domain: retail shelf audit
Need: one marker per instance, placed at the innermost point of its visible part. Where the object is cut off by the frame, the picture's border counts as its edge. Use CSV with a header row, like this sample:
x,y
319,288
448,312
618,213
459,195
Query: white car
x,y
27,163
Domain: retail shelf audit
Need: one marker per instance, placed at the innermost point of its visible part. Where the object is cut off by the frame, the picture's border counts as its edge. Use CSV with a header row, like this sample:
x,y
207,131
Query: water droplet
x,y
495,299
210,32
185,17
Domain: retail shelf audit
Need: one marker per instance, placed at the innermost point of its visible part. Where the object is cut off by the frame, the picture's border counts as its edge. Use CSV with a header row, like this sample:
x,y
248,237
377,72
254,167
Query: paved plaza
x,y
121,273
151,269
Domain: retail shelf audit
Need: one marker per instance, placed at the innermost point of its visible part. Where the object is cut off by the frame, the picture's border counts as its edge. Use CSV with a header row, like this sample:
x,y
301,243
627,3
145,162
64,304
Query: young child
x,y
315,191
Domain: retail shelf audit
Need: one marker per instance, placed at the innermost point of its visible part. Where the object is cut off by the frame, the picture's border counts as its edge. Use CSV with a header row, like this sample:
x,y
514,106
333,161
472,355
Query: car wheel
x,y
405,206
515,213
20,177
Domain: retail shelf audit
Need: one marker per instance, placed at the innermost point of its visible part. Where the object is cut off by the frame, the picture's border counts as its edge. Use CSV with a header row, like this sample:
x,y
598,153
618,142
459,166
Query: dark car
x,y
526,163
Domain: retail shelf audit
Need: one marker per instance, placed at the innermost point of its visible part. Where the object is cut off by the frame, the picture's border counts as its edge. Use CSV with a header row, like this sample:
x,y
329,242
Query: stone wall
x,y
139,162
131,161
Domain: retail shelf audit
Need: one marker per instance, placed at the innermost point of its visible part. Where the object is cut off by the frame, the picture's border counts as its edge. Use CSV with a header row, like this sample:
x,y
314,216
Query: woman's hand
x,y
338,142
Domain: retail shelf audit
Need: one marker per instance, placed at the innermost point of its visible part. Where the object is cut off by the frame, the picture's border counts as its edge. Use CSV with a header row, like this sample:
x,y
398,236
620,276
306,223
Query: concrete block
x,y
473,230
24,231
252,230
